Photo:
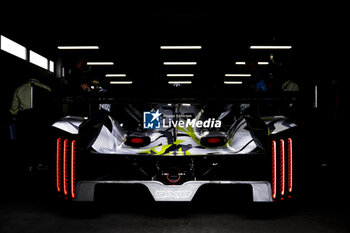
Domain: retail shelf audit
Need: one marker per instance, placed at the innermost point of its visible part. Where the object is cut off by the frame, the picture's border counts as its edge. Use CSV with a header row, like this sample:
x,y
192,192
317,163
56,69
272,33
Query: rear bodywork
x,y
175,151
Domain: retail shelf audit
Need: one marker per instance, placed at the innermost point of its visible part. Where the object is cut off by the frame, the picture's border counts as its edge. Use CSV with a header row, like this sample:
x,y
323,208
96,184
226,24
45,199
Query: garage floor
x,y
28,206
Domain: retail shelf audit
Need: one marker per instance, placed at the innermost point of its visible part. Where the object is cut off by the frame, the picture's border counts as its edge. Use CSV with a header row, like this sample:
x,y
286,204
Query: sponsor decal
x,y
153,120
168,195
209,123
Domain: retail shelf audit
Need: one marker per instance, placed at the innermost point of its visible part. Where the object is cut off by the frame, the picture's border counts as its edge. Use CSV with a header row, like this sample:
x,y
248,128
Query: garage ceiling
x,y
132,38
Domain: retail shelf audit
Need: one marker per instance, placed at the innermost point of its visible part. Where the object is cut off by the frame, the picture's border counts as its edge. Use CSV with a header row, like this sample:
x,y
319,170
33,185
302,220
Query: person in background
x,y
77,81
256,76
23,96
290,85
31,110
75,87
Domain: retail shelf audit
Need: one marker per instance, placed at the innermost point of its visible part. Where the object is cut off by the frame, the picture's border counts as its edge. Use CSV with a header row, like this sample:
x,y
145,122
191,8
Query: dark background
x,y
130,35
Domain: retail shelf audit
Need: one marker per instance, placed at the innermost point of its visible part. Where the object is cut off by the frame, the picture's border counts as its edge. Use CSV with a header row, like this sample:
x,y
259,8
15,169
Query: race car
x,y
175,151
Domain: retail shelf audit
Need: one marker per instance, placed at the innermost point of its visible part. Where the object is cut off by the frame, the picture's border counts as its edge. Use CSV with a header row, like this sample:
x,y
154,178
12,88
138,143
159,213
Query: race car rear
x,y
175,152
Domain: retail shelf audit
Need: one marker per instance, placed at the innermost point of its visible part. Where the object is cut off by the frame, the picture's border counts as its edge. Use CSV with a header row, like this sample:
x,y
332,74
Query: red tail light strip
x,y
290,165
274,170
65,167
73,144
282,167
59,164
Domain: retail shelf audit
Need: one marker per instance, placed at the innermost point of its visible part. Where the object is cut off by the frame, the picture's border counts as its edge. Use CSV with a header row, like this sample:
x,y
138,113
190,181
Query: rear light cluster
x,y
213,141
136,141
65,167
282,168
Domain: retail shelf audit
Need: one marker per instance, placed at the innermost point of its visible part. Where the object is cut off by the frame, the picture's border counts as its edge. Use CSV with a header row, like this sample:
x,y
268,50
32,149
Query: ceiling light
x,y
179,75
179,63
180,47
77,47
115,75
120,82
240,62
51,66
270,47
13,48
233,82
263,62
38,60
179,82
237,75
100,63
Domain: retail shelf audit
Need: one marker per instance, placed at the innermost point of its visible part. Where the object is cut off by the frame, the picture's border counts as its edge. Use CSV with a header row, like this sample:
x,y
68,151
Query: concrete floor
x,y
36,217
32,209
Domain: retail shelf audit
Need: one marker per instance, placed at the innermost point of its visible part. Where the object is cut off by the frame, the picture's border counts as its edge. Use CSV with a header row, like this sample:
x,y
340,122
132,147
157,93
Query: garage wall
x,y
14,72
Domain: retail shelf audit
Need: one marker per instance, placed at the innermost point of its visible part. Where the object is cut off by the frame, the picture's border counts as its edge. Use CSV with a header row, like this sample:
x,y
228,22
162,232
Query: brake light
x,y
213,141
137,141
290,165
274,170
282,167
58,164
73,144
65,166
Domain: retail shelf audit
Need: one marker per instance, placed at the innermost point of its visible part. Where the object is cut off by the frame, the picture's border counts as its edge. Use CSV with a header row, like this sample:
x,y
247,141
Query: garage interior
x,y
134,46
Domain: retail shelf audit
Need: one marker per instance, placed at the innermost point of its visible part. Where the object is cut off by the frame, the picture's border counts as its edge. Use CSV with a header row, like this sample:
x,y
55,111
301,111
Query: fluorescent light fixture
x,y
38,60
100,63
179,82
115,75
237,75
179,75
270,47
13,48
233,82
244,63
186,104
120,82
77,47
51,66
263,62
180,47
179,63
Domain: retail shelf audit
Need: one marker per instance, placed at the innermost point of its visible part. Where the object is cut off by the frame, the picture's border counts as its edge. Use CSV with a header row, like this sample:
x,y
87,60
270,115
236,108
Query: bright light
x,y
186,104
51,66
233,82
100,63
120,82
240,62
77,47
263,63
13,48
38,60
115,75
180,47
179,75
179,63
179,82
237,75
270,47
